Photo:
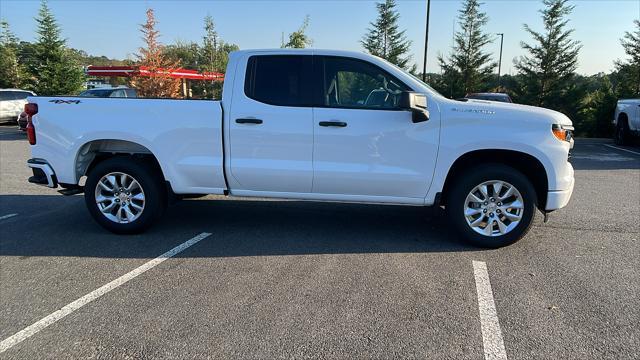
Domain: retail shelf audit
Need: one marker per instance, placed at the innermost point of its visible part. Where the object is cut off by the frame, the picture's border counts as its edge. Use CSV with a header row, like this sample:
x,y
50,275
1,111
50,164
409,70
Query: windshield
x,y
434,91
97,93
424,83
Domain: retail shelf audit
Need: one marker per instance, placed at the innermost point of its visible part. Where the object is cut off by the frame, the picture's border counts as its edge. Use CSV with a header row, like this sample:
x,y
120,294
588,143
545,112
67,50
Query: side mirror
x,y
417,104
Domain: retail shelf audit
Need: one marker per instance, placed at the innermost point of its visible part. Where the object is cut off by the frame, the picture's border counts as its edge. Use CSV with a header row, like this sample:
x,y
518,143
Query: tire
x,y
622,132
506,230
109,211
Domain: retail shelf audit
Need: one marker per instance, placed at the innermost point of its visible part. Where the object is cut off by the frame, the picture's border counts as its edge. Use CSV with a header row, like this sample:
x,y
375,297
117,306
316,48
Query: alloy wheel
x,y
493,208
119,197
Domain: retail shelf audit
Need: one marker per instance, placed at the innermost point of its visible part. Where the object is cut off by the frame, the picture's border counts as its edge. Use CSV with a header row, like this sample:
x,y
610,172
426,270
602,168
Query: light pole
x,y
500,61
426,43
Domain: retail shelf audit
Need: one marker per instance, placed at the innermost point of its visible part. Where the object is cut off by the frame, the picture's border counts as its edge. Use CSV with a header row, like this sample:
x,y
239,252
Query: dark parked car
x,y
500,97
117,92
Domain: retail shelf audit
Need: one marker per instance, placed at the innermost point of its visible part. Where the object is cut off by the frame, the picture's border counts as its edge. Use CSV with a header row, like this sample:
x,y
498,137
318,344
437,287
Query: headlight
x,y
562,132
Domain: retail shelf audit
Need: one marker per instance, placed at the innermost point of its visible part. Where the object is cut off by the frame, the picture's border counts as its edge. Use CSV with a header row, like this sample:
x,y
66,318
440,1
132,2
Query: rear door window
x,y
282,80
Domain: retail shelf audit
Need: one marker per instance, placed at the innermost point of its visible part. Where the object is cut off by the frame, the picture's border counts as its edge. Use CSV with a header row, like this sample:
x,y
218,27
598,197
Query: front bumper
x,y
558,199
43,174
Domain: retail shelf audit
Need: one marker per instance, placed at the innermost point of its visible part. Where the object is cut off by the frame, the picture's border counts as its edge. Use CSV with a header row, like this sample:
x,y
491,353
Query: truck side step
x,y
71,191
39,179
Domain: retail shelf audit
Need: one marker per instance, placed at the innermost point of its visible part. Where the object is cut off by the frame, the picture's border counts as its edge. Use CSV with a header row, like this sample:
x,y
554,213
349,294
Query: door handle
x,y
333,123
249,121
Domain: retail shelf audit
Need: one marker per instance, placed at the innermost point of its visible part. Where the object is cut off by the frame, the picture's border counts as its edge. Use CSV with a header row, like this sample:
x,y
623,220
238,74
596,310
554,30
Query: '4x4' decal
x,y
59,101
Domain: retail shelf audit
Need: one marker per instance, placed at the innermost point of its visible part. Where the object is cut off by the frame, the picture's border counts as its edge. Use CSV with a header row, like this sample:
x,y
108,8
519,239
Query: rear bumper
x,y
43,174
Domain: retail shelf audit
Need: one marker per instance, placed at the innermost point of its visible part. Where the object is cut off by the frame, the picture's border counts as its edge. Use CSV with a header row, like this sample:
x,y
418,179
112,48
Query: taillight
x,y
31,109
31,132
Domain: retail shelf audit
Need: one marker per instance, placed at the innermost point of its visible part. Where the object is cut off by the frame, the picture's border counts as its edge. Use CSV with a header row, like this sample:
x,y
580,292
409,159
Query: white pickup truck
x,y
626,120
313,125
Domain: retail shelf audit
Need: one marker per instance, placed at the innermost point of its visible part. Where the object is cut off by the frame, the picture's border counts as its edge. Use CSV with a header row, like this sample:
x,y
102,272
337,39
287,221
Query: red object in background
x,y
130,71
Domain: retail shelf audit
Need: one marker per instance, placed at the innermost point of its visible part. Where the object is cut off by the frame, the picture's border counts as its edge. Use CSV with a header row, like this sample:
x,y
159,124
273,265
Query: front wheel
x,y
125,195
622,133
492,205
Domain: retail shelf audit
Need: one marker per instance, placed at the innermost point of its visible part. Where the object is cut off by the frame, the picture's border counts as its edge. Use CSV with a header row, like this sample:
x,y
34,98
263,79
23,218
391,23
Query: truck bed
x,y
185,136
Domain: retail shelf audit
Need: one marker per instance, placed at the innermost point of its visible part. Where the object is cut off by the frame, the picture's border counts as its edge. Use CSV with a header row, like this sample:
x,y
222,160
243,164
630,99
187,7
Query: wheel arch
x,y
93,152
530,166
623,117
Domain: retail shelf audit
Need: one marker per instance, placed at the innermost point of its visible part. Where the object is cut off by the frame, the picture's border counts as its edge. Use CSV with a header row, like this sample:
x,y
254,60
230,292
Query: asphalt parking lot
x,y
290,279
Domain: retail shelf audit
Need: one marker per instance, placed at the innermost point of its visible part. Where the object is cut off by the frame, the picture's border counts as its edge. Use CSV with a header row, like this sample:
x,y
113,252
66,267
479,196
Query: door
x,y
364,144
270,125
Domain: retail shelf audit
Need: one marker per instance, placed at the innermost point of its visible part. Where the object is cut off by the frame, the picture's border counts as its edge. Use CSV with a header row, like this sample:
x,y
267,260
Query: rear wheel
x,y
125,195
492,205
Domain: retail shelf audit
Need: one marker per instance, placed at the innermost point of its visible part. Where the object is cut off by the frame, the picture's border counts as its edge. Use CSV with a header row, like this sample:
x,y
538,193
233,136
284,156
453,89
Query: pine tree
x,y
469,68
152,57
210,45
53,71
629,71
10,70
299,39
548,70
383,39
597,108
215,56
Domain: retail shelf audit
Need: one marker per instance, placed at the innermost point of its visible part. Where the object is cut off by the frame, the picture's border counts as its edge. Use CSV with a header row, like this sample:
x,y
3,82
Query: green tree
x,y
214,57
597,109
220,65
186,54
10,70
211,56
53,70
629,71
547,72
383,39
210,45
299,39
469,68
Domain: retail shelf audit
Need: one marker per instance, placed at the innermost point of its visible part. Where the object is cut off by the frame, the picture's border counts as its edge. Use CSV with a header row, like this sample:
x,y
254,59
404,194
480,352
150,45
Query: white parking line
x,y
618,148
68,309
7,216
491,335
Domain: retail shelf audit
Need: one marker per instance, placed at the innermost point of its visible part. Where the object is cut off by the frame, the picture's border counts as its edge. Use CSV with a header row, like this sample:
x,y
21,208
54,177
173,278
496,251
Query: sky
x,y
111,28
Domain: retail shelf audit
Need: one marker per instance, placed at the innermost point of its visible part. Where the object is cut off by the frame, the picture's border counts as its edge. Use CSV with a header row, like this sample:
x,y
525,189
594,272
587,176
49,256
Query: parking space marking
x,y
491,335
618,148
7,216
68,309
